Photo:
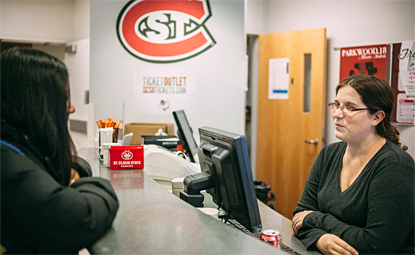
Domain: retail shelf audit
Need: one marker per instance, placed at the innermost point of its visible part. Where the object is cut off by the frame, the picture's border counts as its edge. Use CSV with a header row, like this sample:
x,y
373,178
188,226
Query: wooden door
x,y
286,130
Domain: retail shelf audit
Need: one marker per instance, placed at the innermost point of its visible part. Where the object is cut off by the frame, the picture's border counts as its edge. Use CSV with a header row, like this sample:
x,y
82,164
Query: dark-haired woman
x,y
359,195
49,202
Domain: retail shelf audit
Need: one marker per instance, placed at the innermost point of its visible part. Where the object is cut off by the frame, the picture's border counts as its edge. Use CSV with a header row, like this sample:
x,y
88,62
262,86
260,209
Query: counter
x,y
151,220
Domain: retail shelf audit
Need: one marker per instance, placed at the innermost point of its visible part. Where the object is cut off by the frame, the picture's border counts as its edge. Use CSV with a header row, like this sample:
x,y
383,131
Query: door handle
x,y
315,141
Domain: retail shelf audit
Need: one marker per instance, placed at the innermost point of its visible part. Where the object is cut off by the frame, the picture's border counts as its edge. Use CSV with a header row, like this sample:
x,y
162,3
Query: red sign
x,y
371,60
163,30
126,157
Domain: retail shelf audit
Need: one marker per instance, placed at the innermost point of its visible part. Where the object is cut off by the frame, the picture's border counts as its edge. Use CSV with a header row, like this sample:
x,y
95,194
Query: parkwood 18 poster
x,y
371,60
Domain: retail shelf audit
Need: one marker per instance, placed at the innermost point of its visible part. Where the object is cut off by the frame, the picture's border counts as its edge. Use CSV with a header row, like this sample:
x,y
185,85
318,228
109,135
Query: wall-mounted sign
x,y
370,60
165,31
164,85
278,78
403,82
161,92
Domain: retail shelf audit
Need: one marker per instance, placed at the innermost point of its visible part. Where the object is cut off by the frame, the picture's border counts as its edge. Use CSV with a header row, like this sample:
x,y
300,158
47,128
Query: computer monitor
x,y
226,175
185,134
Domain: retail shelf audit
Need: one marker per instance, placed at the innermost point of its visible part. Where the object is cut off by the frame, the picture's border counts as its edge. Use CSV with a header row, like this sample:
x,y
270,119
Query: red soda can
x,y
271,236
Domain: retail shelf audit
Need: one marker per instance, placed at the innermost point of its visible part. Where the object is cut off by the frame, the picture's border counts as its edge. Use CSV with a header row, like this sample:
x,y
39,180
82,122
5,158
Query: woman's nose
x,y
72,108
337,113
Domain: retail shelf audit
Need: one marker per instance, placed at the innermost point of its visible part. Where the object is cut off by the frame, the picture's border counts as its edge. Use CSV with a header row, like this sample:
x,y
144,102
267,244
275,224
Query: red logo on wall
x,y
165,31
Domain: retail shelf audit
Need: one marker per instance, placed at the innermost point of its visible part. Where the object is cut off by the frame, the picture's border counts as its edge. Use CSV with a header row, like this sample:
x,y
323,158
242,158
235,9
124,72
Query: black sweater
x,y
375,214
38,214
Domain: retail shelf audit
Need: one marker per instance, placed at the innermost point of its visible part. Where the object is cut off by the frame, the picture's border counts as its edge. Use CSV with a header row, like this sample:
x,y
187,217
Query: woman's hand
x,y
298,220
74,176
334,245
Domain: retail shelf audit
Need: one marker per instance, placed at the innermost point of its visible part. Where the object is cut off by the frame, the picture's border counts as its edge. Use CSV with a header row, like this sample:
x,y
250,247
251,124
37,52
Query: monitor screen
x,y
185,133
226,175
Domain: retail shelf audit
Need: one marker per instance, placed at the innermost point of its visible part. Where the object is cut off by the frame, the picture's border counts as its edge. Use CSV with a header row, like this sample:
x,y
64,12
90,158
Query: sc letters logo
x,y
165,31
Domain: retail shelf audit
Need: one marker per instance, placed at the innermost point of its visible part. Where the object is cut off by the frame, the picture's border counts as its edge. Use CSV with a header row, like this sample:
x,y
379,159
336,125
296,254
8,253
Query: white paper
x,y
407,81
278,78
405,113
246,64
406,78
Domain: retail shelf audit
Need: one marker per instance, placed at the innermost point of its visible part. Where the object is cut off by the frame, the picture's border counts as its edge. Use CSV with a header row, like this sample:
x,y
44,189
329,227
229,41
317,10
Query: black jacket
x,y
40,215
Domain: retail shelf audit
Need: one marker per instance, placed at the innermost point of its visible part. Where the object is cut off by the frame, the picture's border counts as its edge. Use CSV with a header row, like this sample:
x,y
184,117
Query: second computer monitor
x,y
185,134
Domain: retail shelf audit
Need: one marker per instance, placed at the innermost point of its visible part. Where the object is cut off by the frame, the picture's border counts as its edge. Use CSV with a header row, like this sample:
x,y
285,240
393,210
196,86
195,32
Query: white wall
x,y
78,68
37,21
348,23
215,95
256,17
81,20
58,51
55,22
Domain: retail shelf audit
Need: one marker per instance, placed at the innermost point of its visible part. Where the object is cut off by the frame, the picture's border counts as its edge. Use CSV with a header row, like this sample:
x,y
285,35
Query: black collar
x,y
22,141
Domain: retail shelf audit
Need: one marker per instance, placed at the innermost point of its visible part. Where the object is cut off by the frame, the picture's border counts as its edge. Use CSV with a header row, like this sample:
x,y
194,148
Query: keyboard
x,y
257,234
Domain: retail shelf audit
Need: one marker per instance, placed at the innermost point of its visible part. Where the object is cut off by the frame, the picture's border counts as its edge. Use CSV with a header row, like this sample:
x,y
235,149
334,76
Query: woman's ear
x,y
378,117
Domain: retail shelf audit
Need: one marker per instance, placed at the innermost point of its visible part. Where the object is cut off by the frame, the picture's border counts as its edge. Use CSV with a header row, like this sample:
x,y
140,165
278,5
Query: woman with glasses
x,y
50,204
359,195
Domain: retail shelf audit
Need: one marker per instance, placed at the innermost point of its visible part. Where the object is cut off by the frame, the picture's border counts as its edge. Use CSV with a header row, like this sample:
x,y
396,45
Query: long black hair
x,y
376,95
35,98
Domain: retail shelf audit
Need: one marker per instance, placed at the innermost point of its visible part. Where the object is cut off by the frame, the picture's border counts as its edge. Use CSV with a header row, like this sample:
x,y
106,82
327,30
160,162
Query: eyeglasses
x,y
345,108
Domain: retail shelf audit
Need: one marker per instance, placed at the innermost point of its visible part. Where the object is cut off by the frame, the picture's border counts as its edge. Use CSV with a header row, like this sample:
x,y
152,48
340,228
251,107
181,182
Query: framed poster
x,y
403,82
371,60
